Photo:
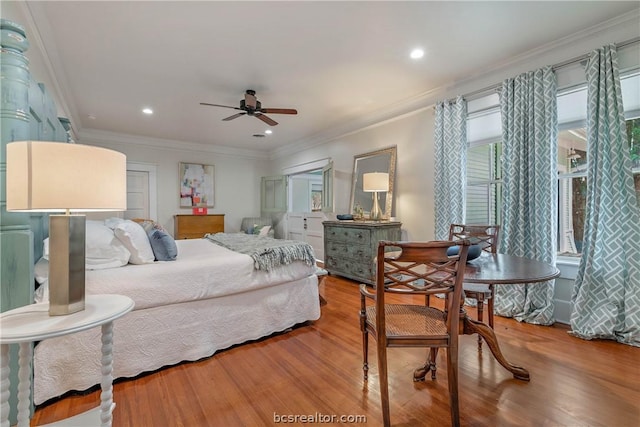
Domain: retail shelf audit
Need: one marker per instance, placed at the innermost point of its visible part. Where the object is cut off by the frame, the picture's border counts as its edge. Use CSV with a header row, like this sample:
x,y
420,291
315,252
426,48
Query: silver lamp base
x,y
375,215
66,264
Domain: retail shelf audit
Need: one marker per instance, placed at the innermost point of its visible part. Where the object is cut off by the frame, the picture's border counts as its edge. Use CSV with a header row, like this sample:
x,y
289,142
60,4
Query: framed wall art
x,y
196,185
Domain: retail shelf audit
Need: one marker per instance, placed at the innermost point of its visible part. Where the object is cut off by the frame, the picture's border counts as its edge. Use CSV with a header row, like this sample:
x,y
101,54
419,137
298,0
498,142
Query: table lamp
x,y
375,182
64,177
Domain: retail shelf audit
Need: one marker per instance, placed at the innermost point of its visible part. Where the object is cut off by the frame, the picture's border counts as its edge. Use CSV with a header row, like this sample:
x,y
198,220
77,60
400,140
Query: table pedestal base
x,y
470,327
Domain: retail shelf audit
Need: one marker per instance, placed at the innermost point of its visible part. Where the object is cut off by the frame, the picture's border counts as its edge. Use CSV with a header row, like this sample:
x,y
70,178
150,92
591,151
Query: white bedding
x,y
209,299
202,270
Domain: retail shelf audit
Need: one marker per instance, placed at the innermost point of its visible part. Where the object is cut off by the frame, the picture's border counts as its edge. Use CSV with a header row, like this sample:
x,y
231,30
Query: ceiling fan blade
x,y
235,116
218,105
279,110
267,120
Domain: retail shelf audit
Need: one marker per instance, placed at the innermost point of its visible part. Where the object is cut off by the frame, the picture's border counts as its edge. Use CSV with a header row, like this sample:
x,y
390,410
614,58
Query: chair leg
x,y
452,374
490,305
365,342
433,354
365,355
480,307
384,384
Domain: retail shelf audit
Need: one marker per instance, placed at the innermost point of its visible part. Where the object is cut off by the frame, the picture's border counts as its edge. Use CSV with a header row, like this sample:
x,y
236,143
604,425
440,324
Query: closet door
x,y
137,195
141,191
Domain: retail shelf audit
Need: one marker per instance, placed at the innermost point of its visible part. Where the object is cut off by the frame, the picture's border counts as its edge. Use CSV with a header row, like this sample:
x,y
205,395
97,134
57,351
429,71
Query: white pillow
x,y
103,249
264,231
113,222
41,273
134,238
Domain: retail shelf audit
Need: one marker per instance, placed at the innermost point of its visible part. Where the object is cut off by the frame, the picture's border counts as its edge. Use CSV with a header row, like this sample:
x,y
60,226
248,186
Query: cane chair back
x,y
486,236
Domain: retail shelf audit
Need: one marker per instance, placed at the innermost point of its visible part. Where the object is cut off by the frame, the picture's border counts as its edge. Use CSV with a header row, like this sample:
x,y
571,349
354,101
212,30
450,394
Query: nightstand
x,y
30,323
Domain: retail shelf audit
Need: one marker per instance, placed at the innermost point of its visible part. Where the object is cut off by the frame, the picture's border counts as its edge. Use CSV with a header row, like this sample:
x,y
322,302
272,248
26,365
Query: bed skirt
x,y
148,339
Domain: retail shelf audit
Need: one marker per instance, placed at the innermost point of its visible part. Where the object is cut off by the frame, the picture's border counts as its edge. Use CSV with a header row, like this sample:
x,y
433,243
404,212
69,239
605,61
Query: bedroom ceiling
x,y
340,64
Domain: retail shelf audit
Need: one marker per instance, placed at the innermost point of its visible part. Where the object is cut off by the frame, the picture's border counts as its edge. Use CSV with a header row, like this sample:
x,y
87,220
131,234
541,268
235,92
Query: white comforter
x,y
202,270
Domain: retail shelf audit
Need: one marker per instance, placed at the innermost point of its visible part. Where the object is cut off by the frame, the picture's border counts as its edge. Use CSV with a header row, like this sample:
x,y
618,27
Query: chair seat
x,y
477,288
410,320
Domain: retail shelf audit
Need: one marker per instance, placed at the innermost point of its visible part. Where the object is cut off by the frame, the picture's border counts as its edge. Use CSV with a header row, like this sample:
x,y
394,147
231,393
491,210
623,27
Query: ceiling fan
x,y
252,107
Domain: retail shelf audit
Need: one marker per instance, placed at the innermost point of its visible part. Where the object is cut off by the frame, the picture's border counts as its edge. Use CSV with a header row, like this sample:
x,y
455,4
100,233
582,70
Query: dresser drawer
x,y
351,268
355,252
349,235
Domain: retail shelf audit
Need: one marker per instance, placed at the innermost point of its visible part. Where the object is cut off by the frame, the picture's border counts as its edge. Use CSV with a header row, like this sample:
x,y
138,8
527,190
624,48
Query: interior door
x,y
137,195
141,191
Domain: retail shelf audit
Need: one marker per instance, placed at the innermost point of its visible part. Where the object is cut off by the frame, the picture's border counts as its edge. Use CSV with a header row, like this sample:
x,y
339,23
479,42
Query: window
x,y
484,190
483,193
572,183
572,189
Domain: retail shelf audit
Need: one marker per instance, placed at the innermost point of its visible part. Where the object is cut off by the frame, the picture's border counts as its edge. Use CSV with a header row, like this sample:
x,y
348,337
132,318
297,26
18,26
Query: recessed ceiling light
x,y
91,117
417,53
147,110
268,131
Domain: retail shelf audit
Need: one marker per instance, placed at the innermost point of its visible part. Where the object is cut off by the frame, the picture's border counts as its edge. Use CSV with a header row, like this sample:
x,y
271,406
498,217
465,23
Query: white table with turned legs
x,y
30,323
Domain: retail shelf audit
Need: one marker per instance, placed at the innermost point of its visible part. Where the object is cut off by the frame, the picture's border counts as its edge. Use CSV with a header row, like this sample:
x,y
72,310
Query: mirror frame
x,y
357,177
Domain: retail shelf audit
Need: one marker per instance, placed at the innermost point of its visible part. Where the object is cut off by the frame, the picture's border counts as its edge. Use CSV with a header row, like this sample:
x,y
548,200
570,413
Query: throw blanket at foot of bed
x,y
266,252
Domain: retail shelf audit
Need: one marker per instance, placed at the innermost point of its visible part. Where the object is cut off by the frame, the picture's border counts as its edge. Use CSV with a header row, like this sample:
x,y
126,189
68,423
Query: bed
x,y
209,298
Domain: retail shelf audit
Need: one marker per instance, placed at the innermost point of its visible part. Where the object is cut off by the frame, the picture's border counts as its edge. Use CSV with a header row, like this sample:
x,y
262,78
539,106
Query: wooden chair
x,y
414,269
487,237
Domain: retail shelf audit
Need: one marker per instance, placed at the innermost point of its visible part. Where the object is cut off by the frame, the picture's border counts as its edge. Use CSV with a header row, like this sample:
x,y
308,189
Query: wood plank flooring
x,y
317,369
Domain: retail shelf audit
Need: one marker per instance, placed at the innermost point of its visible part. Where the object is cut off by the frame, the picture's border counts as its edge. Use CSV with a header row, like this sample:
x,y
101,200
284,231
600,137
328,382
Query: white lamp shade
x,y
375,181
57,176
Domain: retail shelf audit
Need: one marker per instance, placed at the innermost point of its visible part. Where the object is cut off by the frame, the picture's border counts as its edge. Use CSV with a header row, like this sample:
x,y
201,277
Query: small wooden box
x,y
196,226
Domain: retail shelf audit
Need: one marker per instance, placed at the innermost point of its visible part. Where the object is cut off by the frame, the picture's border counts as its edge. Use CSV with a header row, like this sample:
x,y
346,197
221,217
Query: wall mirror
x,y
377,161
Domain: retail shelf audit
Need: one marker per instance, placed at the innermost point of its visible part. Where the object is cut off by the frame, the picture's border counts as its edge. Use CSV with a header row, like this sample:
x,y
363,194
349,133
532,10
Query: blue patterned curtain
x,y
450,164
529,189
606,295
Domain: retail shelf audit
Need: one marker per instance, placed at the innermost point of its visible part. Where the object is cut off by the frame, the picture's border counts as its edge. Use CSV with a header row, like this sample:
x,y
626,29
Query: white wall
x,y
237,177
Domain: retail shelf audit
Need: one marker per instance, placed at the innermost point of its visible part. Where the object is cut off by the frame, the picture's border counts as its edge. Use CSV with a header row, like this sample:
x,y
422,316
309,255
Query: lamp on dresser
x,y
375,182
65,178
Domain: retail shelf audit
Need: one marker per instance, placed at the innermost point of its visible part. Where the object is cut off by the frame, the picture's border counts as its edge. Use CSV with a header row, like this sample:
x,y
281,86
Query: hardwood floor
x,y
317,369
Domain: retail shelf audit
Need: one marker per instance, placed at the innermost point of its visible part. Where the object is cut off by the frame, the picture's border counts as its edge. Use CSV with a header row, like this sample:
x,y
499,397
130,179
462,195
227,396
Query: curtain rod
x,y
554,67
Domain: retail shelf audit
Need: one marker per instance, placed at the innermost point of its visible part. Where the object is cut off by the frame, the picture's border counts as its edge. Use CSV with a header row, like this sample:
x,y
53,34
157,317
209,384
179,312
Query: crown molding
x,y
88,136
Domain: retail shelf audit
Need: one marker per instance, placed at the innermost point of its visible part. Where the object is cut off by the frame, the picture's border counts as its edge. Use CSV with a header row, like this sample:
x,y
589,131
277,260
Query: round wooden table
x,y
497,269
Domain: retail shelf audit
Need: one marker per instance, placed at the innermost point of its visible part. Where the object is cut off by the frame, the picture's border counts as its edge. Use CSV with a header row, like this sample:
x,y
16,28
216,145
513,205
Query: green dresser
x,y
350,247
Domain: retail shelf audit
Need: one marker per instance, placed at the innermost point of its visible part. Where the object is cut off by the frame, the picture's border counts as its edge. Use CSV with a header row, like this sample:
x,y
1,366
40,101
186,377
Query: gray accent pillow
x,y
163,245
